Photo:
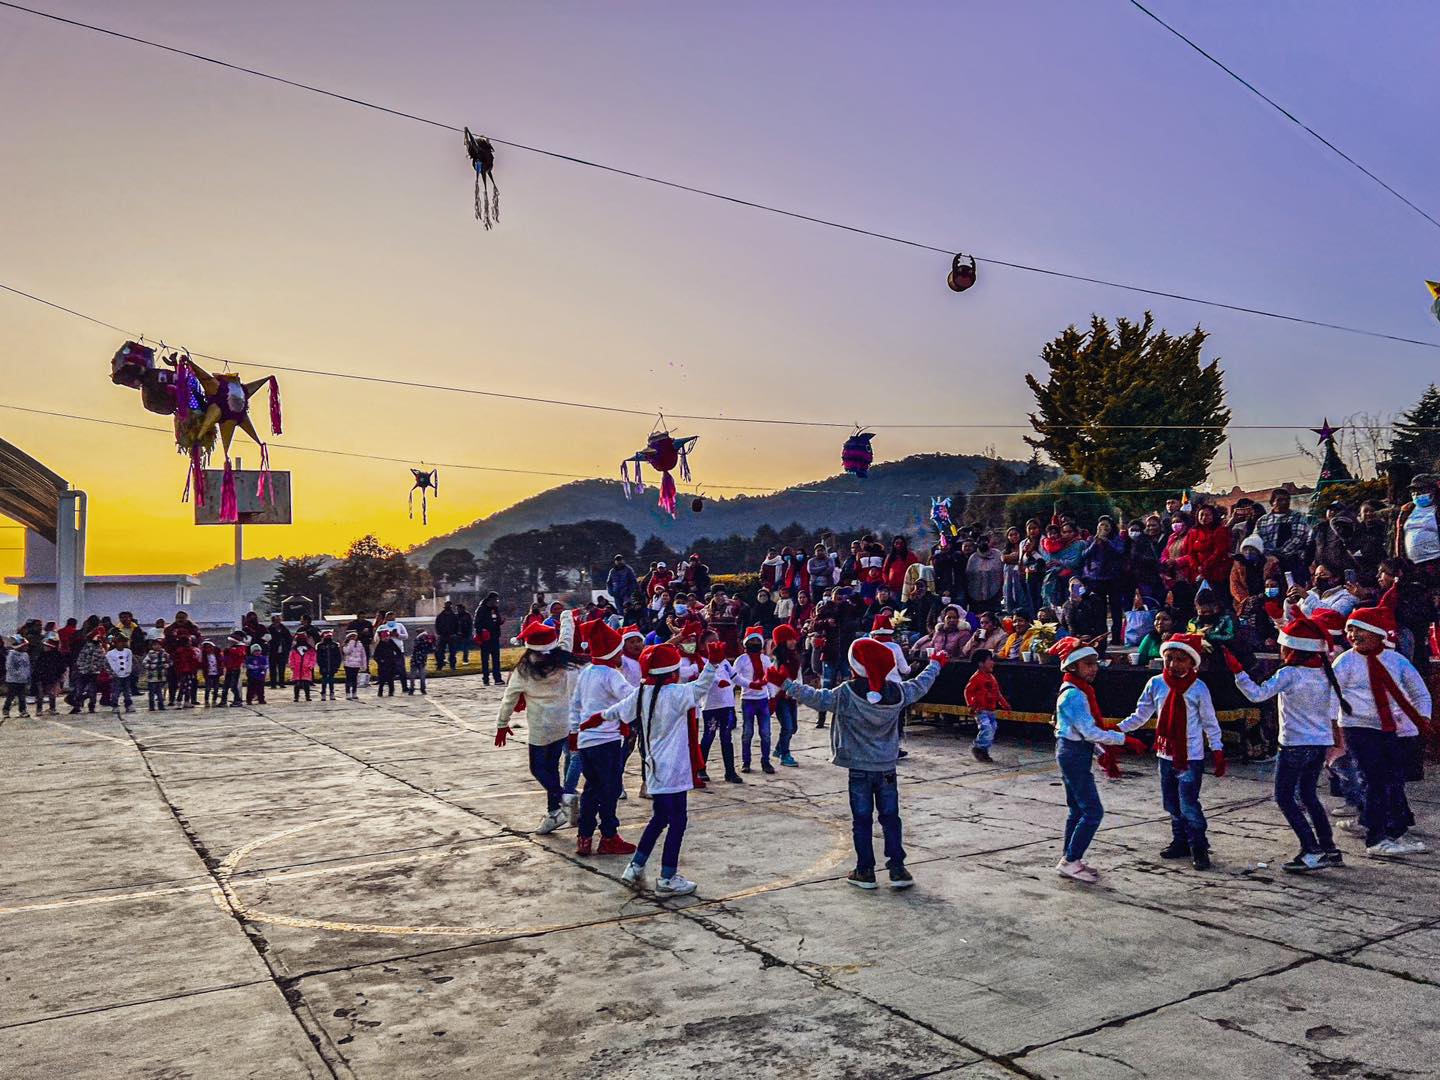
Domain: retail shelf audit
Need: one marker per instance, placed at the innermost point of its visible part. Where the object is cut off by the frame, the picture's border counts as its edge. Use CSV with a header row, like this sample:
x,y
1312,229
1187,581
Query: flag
x,y
1233,475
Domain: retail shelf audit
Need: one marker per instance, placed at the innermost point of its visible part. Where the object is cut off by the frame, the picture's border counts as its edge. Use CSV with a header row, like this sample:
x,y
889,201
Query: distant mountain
x,y
217,582
894,498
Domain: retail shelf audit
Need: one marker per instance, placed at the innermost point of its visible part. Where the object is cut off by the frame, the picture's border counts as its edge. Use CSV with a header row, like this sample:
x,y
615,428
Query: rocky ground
x,y
352,889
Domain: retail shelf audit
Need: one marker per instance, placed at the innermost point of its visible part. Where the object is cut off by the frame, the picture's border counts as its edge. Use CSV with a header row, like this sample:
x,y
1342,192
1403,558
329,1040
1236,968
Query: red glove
x,y
624,730
501,735
775,677
1134,745
1220,766
1109,764
573,741
940,656
722,684
1233,663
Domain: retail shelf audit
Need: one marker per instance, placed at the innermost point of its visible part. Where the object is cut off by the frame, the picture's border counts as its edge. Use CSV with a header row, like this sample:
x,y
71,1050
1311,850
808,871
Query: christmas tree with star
x,y
1332,469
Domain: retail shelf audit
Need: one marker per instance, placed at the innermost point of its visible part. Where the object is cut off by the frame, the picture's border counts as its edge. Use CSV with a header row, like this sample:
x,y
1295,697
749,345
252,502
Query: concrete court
x,y
352,890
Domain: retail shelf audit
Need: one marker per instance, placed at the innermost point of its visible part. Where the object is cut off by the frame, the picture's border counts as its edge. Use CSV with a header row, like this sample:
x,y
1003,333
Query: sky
x,y
243,218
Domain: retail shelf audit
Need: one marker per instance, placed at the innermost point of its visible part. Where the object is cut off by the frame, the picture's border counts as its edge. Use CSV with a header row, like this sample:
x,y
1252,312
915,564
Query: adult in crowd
x,y
620,582
488,626
984,575
1417,531
1102,572
278,650
697,577
364,631
447,628
465,633
1286,534
897,560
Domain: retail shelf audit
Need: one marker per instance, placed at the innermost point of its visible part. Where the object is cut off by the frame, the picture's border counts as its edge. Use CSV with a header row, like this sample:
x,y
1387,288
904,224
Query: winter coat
x,y
1206,555
1103,560
547,703
91,660
48,667
389,657
328,656
353,654
156,665
280,642
447,625
302,664
865,735
17,668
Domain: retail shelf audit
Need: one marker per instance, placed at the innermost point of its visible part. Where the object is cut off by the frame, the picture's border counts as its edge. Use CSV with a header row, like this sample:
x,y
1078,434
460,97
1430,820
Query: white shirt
x,y
744,669
1308,706
121,661
664,735
597,687
630,668
722,694
1202,726
396,628
1353,672
1421,535
1337,599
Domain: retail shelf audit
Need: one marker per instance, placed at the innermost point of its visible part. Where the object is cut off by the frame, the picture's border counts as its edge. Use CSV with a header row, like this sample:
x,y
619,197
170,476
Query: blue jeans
x,y
874,793
1377,753
787,711
1180,792
757,714
985,730
667,813
545,767
1297,772
571,783
1077,761
716,722
602,766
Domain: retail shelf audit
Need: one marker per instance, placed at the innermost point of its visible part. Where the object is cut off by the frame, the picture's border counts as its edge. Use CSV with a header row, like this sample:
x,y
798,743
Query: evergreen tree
x,y
372,575
1105,380
453,564
1414,449
303,575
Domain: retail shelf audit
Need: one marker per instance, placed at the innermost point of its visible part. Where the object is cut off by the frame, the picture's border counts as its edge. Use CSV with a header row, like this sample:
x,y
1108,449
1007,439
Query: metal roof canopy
x,y
29,492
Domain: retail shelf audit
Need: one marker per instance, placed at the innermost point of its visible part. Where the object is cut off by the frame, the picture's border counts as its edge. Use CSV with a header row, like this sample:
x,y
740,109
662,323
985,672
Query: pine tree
x,y
1104,381
1414,449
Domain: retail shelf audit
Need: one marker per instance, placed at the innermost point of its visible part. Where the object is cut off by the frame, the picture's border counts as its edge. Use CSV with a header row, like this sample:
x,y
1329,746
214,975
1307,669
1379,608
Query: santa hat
x,y
1332,622
659,660
1378,620
1305,635
537,637
603,640
754,632
628,632
874,661
1190,644
882,626
785,634
1071,650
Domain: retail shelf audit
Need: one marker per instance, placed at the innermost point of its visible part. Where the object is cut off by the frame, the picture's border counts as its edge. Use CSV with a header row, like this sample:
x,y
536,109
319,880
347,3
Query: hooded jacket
x,y
865,735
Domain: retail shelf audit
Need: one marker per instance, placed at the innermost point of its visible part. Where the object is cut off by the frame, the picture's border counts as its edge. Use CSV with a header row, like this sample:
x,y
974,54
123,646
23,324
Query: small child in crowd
x,y
212,666
389,663
302,666
156,667
420,653
328,659
187,662
355,660
17,674
235,656
718,712
257,667
983,694
48,672
122,665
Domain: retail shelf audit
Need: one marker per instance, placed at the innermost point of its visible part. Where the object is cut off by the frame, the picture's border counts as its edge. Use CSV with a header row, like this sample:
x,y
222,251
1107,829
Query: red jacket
x,y
187,660
893,572
235,657
1207,555
982,693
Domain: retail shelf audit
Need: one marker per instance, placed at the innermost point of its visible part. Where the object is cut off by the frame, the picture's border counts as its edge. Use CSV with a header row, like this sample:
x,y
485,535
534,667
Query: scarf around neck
x,y
1172,732
1382,686
1088,689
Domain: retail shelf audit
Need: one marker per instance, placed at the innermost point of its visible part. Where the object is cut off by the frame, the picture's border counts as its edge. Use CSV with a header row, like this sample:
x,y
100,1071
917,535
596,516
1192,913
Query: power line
x,y
592,406
717,195
1248,85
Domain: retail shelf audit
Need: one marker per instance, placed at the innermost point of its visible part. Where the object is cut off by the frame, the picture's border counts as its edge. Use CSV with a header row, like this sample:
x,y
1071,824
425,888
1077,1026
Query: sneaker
x,y
745,768
1332,858
734,778
677,885
1385,849
1408,845
1176,851
900,878
1303,863
615,845
551,821
902,754
634,876
1201,859
570,804
862,879
1077,871
1353,825
789,762
703,776
820,723
582,845
982,754
766,767
1343,810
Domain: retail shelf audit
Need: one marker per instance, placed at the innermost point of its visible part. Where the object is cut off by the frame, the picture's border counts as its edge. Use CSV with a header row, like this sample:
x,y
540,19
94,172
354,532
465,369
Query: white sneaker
x,y
1077,871
1408,845
679,885
634,876
1385,849
1343,810
570,804
551,821
1353,825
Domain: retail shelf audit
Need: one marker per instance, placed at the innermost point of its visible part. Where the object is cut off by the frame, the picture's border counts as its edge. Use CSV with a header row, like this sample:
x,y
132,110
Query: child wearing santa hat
x,y
1186,725
882,629
659,711
719,712
865,738
752,667
632,644
785,652
1078,731
599,744
1309,700
545,679
1389,703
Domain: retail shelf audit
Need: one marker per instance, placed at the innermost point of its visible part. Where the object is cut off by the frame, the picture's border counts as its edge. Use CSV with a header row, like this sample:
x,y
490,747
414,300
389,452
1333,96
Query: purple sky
x,y
243,217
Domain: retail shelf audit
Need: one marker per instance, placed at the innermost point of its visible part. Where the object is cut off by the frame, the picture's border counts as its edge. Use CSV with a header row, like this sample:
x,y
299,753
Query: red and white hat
x,y
1332,622
537,637
1305,635
603,641
1192,645
1071,650
757,632
659,660
1378,620
882,626
874,660
628,632
785,634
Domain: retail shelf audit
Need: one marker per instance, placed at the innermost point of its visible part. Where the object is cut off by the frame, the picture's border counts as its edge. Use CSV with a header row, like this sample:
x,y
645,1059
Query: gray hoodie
x,y
865,736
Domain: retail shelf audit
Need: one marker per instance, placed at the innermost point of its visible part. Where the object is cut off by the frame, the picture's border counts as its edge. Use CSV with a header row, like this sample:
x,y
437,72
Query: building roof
x,y
31,492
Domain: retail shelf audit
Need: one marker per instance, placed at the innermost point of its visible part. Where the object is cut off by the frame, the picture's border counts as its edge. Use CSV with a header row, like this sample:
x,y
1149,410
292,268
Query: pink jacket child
x,y
302,664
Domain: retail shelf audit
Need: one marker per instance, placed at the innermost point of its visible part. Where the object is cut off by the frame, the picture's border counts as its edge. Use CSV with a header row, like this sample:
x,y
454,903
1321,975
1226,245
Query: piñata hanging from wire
x,y
962,273
856,455
206,409
426,481
487,192
663,452
1434,287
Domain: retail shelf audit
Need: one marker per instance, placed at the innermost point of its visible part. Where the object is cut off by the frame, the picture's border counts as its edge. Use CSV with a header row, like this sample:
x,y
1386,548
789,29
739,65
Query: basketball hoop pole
x,y
237,590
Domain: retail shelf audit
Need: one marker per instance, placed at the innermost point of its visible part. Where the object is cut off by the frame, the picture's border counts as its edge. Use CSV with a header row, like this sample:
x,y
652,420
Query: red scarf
x,y
1382,686
1172,732
1107,755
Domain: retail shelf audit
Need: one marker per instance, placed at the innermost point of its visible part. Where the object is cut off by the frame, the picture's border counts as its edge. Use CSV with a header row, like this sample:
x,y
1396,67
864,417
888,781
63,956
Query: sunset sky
x,y
244,218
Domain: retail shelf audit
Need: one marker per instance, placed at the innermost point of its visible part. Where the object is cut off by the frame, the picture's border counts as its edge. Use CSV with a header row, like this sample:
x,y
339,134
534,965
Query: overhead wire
x,y
711,194
1283,111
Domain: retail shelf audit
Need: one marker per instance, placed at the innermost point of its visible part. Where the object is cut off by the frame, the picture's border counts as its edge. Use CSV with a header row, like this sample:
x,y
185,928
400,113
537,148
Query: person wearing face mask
x,y
1334,541
1142,559
1417,530
1102,571
1326,591
1249,570
984,575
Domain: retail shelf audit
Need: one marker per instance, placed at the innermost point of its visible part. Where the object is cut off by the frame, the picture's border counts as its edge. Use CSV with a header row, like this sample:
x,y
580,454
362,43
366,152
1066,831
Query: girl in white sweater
x,y
545,676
